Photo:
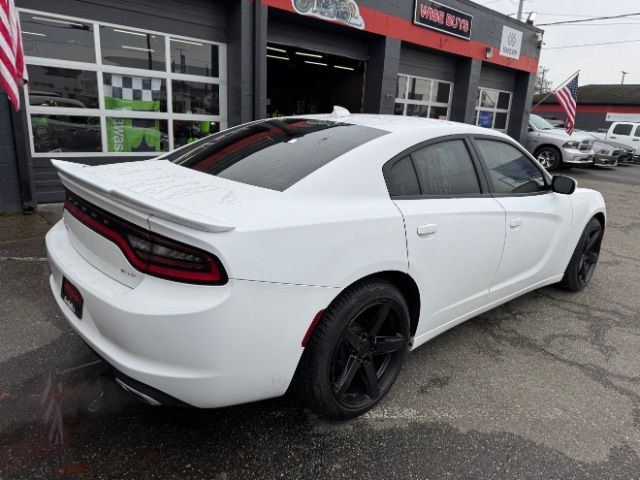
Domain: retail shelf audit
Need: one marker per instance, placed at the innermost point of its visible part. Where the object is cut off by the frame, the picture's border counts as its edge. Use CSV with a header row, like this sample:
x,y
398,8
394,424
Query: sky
x,y
597,64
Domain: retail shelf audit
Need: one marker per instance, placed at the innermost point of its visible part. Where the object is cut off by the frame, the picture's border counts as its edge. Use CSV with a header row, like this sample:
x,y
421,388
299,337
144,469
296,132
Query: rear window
x,y
274,153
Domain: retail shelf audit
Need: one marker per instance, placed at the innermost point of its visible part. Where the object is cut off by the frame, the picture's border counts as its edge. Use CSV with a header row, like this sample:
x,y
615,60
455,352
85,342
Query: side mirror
x,y
562,184
529,129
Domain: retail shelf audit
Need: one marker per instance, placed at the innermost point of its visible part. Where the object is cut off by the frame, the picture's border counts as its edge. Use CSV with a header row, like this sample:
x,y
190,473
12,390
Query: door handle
x,y
427,229
613,138
515,223
635,139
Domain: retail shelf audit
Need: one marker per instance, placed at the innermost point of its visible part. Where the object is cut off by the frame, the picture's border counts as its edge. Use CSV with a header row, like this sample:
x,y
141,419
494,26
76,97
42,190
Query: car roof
x,y
399,123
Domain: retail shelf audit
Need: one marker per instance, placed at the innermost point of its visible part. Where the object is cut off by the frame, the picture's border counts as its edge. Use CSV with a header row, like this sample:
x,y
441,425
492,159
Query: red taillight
x,y
148,252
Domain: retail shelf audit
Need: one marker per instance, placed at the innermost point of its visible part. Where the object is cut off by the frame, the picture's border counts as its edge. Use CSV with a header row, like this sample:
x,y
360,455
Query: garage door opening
x,y
302,81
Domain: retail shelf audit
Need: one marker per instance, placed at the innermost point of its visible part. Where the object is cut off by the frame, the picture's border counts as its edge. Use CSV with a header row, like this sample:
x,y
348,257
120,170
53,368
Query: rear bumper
x,y
206,346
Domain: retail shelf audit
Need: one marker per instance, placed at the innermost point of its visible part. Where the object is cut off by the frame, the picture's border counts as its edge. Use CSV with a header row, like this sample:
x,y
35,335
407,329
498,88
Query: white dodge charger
x,y
308,252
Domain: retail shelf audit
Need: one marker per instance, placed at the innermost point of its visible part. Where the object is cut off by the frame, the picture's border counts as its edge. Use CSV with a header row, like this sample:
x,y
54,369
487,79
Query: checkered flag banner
x,y
132,88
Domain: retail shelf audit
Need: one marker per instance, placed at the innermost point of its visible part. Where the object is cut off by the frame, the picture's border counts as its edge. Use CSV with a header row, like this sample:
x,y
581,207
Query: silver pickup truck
x,y
554,148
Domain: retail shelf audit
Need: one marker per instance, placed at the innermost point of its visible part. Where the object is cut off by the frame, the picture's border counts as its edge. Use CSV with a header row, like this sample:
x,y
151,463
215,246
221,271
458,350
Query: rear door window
x,y
446,169
622,129
274,153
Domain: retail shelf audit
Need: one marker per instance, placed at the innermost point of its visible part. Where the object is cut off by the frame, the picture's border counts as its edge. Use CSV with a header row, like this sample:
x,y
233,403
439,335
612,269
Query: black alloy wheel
x,y
356,351
369,356
585,258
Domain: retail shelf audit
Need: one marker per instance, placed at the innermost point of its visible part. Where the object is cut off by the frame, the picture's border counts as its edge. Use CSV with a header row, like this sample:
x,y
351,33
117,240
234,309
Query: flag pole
x,y
556,89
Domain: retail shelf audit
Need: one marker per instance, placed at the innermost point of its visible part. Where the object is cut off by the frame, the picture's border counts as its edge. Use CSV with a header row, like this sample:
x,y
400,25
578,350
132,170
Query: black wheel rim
x,y
369,355
590,254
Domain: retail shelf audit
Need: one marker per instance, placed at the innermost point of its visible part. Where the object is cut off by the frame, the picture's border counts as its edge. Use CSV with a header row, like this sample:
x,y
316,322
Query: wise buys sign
x,y
445,19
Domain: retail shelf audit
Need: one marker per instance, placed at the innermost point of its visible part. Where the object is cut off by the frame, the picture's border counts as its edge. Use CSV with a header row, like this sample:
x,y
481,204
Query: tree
x,y
543,84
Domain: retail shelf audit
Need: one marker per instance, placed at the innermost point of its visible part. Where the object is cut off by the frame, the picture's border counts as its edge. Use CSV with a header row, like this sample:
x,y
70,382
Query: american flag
x,y
13,73
568,96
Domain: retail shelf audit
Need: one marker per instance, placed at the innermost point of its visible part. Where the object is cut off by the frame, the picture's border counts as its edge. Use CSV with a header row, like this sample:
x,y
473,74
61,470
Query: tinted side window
x,y
446,169
401,179
509,170
637,132
623,129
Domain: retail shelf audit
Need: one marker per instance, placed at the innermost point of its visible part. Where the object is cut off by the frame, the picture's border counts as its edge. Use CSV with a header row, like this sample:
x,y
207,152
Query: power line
x,y
593,19
593,44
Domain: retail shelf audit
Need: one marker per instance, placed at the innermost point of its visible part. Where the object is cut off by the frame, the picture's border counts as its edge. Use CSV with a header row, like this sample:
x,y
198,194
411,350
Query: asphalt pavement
x,y
546,386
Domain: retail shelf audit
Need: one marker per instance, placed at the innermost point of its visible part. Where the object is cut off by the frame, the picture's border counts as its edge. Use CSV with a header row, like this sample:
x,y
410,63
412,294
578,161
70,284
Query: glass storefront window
x,y
136,135
443,92
422,97
62,87
417,110
134,93
419,89
65,133
129,48
503,100
194,58
439,113
196,98
401,89
51,37
187,131
492,108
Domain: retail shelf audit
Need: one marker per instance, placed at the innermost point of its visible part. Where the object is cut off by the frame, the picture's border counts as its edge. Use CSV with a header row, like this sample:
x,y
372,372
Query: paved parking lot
x,y
547,386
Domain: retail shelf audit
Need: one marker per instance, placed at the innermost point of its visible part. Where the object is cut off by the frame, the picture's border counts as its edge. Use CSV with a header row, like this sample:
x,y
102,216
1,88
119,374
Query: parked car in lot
x,y
554,148
609,153
311,252
625,133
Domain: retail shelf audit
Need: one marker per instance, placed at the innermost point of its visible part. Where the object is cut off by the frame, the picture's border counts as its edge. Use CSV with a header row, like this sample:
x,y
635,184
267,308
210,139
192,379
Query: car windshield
x,y
274,153
540,123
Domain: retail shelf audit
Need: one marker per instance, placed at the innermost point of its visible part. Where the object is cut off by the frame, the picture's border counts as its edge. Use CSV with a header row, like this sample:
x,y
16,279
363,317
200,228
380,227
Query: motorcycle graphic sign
x,y
342,11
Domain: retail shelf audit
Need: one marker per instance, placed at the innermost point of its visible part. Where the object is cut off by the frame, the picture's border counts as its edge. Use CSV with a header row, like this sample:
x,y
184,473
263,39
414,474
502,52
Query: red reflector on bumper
x,y
314,322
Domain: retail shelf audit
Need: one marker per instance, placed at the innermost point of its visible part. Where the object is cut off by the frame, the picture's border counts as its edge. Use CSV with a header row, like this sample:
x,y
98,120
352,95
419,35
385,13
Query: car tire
x,y
549,157
355,352
584,259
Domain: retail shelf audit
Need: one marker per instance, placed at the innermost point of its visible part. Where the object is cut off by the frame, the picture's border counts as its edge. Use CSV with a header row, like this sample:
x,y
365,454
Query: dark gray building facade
x,y
120,80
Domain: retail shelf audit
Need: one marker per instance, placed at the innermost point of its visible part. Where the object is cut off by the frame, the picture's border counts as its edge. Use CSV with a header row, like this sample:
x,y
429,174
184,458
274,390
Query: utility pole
x,y
520,10
624,74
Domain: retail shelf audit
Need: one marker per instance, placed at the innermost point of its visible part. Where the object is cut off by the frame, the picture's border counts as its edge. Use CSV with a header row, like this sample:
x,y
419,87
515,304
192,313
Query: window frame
x,y
103,113
485,168
425,103
408,152
495,110
624,124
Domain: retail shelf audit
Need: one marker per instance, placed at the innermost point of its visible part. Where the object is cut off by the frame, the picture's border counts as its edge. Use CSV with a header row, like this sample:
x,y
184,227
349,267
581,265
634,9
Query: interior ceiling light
x,y
343,68
275,49
312,55
53,20
315,63
277,57
129,47
139,34
189,42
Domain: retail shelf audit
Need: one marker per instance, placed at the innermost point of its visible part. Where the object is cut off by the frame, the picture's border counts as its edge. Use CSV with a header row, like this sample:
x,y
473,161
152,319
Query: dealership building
x,y
598,106
123,80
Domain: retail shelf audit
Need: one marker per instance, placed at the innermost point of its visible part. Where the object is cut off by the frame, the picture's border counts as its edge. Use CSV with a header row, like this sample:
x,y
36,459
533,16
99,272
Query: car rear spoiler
x,y
80,174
